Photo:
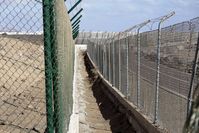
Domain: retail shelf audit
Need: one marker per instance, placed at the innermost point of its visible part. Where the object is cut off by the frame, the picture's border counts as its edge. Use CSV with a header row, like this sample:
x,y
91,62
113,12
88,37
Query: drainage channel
x,y
97,114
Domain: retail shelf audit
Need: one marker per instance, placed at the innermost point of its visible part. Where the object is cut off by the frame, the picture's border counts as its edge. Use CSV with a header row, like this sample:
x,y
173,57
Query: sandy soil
x,y
22,87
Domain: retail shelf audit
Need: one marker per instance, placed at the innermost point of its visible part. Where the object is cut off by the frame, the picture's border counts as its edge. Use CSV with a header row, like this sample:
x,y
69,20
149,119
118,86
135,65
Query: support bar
x,y
77,20
76,34
73,26
74,6
76,14
77,28
75,31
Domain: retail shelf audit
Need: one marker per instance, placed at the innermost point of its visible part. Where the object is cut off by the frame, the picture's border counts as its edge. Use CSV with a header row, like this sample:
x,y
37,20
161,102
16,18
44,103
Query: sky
x,y
118,15
20,16
98,15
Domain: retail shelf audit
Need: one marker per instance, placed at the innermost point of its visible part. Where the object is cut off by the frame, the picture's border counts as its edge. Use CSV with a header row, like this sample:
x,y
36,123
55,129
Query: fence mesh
x,y
135,64
175,64
22,86
36,66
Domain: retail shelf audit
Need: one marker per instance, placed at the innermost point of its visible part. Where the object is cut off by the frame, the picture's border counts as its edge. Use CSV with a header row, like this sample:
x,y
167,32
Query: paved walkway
x,y
90,117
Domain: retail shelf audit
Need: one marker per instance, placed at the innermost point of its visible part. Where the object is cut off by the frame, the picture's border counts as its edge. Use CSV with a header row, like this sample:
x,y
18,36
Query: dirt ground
x,y
97,113
22,87
90,117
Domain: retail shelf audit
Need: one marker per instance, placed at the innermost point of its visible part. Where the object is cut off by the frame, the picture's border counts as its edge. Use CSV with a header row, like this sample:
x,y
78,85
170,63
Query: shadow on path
x,y
110,111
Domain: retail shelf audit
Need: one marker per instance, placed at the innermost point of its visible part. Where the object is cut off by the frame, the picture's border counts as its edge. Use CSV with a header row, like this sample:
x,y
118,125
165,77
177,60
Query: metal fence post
x,y
102,52
127,69
95,49
119,63
98,48
109,51
194,70
157,73
103,60
48,64
158,65
139,61
97,52
106,58
113,55
138,68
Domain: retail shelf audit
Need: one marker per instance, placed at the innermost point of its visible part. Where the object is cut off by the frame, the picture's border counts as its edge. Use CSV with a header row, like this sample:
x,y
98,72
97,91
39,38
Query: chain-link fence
x,y
153,69
36,66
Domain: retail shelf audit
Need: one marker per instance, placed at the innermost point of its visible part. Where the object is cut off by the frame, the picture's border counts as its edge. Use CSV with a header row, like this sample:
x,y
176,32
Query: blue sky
x,y
20,16
117,15
98,15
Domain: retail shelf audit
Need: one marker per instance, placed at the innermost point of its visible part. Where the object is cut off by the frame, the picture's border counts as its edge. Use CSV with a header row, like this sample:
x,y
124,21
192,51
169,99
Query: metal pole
x,y
96,54
109,51
76,32
113,54
103,55
76,14
195,66
139,60
158,66
119,63
73,7
97,50
104,60
77,20
127,67
157,74
75,29
73,26
75,35
47,5
138,68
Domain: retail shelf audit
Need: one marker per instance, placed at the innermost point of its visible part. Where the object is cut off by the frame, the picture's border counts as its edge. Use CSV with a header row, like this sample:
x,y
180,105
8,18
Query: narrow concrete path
x,y
90,117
